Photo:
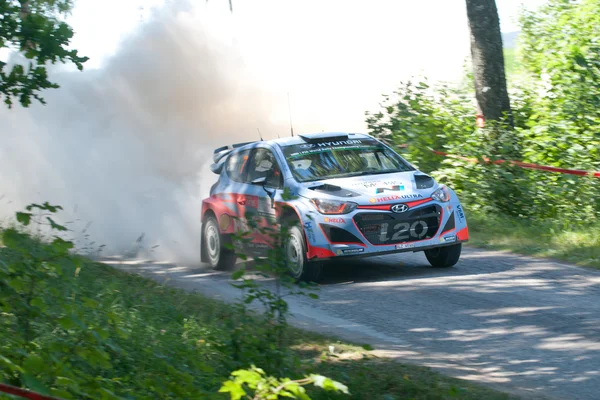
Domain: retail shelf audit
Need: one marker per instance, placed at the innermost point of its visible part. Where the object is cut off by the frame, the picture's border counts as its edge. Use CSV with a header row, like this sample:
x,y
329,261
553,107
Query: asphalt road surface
x,y
522,325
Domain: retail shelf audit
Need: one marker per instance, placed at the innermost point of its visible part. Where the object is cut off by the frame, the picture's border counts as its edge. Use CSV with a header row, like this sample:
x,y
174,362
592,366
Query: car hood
x,y
377,188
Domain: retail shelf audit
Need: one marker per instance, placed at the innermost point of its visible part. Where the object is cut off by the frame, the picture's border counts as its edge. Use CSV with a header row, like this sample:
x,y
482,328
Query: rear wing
x,y
220,155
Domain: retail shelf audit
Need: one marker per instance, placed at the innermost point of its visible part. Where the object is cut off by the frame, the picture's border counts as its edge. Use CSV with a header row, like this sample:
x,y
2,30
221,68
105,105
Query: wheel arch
x,y
290,211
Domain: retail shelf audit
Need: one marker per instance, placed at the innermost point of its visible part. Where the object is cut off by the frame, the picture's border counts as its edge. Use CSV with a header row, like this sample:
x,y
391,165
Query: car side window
x,y
236,165
264,165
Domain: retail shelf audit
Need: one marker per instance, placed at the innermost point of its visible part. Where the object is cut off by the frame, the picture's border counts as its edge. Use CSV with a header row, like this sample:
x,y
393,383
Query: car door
x,y
263,181
232,194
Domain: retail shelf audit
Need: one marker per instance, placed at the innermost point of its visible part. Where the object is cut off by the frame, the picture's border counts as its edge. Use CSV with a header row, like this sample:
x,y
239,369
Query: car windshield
x,y
316,161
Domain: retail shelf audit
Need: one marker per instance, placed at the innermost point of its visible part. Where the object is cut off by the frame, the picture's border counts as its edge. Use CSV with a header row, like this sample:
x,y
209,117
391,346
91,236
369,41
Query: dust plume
x,y
125,149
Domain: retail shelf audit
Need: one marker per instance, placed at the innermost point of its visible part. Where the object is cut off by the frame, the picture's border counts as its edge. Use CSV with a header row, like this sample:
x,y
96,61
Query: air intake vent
x,y
424,181
338,235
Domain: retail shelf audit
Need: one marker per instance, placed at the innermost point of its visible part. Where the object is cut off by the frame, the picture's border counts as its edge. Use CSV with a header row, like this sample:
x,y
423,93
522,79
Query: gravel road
x,y
516,323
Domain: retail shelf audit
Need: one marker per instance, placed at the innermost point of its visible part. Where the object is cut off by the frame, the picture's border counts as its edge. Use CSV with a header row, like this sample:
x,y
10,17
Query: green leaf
x,y
56,226
34,364
61,246
24,218
329,384
235,390
66,323
91,303
238,274
61,393
9,364
38,302
313,296
34,384
249,377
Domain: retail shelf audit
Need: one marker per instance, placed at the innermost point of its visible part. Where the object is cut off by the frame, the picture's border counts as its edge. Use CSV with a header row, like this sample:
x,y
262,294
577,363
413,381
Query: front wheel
x,y
214,244
295,257
444,257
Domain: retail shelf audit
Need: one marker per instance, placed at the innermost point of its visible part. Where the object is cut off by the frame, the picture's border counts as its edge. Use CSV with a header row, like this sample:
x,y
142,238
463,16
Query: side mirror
x,y
262,182
259,181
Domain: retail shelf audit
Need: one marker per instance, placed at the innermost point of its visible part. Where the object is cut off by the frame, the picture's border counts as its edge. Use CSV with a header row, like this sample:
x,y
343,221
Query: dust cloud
x,y
125,149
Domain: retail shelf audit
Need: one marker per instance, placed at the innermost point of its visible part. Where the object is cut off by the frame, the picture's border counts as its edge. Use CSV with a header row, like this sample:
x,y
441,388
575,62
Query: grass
x,y
540,239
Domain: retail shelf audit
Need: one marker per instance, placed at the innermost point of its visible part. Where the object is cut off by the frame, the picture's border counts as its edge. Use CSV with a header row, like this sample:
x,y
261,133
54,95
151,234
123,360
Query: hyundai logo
x,y
399,208
307,146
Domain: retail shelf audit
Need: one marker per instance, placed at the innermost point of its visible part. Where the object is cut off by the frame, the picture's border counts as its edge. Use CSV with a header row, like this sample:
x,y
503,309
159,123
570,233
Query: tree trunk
x,y
488,61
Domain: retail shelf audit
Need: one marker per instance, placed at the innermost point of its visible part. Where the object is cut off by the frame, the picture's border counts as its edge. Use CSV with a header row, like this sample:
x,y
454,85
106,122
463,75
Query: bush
x,y
555,96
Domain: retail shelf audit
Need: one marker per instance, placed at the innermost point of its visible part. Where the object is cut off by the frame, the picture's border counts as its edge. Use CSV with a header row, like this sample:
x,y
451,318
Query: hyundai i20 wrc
x,y
351,196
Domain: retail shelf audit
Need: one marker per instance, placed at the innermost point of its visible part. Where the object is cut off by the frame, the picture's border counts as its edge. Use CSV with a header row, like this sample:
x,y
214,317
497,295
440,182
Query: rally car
x,y
346,195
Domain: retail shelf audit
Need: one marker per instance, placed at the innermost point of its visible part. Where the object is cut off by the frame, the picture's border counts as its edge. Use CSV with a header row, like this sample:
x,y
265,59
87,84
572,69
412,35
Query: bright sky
x,y
99,28
335,55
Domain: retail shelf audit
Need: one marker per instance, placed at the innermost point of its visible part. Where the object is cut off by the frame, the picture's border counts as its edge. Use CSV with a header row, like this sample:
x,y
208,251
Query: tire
x,y
295,253
444,257
213,246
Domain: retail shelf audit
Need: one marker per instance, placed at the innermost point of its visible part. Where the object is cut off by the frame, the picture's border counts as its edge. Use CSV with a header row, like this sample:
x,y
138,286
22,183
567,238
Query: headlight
x,y
333,206
441,194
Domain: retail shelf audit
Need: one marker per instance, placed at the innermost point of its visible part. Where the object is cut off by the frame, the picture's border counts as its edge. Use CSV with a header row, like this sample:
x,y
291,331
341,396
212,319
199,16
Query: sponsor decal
x,y
397,197
335,220
241,225
339,143
256,246
395,188
449,208
405,246
264,206
353,251
311,148
391,185
461,214
310,234
251,202
448,239
371,228
403,231
373,217
372,200
399,208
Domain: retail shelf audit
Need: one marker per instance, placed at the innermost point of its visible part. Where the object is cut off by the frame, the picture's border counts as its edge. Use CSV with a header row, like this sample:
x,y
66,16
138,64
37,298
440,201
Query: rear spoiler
x,y
219,156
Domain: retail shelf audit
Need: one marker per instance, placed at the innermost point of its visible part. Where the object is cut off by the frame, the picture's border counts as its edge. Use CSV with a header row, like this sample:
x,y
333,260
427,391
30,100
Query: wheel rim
x,y
294,255
213,243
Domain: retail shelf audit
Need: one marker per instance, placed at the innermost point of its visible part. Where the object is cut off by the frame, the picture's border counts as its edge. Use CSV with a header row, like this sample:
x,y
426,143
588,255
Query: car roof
x,y
299,139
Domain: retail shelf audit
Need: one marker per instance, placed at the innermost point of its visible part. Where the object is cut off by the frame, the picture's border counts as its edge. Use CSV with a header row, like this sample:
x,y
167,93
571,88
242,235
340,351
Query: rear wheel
x,y
444,257
295,257
213,244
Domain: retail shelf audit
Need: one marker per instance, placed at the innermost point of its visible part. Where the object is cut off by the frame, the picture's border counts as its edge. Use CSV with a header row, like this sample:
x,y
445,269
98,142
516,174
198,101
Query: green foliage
x,y
560,53
70,329
34,28
555,97
269,388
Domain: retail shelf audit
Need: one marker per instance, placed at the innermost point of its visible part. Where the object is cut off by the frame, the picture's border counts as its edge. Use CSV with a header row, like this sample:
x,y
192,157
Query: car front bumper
x,y
375,230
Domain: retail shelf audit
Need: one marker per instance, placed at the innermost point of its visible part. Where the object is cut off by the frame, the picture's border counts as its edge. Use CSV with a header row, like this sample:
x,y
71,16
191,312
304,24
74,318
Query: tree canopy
x,y
37,30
